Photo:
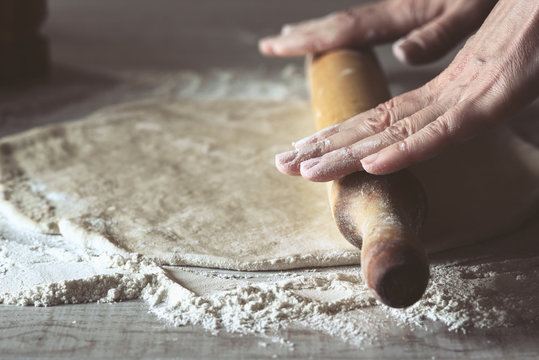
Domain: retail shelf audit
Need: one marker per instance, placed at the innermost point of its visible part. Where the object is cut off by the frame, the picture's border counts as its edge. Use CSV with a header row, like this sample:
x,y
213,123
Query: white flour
x,y
45,270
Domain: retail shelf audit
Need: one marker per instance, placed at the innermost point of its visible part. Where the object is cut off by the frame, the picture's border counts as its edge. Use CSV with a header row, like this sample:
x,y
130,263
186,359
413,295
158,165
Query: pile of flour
x,y
464,294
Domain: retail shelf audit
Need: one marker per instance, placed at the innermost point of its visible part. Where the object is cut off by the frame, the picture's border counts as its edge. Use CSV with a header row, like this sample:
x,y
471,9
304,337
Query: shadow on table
x,y
25,106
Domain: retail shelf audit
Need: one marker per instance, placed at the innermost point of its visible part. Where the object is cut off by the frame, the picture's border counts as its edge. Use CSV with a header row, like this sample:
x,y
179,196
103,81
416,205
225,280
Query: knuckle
x,y
391,103
384,116
403,147
319,148
376,124
400,130
313,150
440,128
347,152
382,108
429,92
325,145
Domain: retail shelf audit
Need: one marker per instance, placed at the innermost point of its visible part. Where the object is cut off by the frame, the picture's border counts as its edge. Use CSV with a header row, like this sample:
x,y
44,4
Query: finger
x,y
344,161
350,132
423,145
434,39
288,162
318,136
331,166
376,119
307,25
398,131
366,25
330,32
427,43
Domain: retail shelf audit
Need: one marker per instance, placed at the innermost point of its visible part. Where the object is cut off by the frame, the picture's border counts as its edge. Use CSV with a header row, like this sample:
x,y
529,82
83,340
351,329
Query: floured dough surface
x,y
184,182
193,183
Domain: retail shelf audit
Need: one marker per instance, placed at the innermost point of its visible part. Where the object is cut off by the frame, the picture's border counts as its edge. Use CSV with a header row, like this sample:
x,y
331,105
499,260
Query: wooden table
x,y
126,330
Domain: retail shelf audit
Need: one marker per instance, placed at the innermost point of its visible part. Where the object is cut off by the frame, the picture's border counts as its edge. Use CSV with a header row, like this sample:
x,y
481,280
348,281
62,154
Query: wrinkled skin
x,y
494,75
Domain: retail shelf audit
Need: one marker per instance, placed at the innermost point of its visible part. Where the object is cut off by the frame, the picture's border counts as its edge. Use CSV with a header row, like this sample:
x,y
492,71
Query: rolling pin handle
x,y
380,214
398,277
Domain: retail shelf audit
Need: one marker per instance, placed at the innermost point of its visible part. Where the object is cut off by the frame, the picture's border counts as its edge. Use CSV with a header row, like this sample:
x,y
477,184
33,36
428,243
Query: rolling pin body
x,y
380,214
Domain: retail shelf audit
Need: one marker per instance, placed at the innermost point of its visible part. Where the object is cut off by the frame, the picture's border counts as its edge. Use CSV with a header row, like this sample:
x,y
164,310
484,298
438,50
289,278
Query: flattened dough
x,y
193,183
480,189
187,183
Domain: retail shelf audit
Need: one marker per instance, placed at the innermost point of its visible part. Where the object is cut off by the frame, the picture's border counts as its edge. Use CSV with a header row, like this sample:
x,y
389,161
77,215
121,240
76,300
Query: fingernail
x,y
404,49
369,159
309,164
286,157
265,45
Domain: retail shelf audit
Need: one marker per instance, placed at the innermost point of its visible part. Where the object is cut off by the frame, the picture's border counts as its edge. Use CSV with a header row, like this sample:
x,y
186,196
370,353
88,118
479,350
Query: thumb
x,y
365,25
434,39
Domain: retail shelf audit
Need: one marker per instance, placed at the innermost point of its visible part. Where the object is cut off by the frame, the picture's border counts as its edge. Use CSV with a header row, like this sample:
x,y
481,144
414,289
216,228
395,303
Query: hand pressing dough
x,y
193,183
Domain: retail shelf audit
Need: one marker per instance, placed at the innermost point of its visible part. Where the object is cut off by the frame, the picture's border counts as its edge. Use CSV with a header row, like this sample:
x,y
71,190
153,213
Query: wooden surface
x,y
91,40
126,330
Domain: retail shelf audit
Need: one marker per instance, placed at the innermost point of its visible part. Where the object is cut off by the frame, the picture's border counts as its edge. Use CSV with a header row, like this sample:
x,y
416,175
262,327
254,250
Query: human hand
x,y
432,27
495,74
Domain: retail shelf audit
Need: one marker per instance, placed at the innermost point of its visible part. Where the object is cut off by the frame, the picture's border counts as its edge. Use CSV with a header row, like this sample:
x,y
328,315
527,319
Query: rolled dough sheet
x,y
184,182
193,183
481,189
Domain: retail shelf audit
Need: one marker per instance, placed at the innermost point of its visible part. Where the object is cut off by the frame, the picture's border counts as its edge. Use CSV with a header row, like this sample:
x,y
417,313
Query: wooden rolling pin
x,y
380,214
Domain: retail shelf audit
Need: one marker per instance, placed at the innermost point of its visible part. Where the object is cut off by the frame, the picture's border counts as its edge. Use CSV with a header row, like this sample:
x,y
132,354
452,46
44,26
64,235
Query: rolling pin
x,y
382,215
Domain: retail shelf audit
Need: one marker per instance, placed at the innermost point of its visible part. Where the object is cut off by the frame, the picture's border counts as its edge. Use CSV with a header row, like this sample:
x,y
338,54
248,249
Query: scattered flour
x,y
44,270
462,296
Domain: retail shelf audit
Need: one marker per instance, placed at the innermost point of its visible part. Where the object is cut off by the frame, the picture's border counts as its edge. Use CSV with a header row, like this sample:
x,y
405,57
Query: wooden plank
x,y
127,330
